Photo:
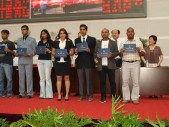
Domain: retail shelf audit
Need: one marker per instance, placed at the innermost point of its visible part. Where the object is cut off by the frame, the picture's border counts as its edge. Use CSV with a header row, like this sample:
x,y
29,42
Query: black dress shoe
x,y
59,99
48,98
20,96
81,99
155,96
29,96
66,99
102,100
76,94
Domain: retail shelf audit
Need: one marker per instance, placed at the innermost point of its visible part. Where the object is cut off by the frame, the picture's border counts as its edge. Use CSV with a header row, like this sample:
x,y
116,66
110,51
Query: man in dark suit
x,y
106,64
85,62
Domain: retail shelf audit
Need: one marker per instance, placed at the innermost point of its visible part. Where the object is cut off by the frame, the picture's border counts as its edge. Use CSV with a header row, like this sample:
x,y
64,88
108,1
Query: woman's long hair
x,y
48,35
65,32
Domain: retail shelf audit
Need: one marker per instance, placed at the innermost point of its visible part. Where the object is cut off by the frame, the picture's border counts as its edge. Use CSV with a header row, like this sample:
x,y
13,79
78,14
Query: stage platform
x,y
12,108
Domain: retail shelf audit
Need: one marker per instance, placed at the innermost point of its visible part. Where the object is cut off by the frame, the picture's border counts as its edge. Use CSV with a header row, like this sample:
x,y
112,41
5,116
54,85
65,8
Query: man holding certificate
x,y
106,50
25,52
85,61
6,63
130,51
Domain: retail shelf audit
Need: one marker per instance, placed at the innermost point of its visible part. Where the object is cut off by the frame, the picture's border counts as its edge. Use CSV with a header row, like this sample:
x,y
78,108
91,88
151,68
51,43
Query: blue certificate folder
x,y
82,47
2,48
61,53
130,48
103,52
41,50
21,51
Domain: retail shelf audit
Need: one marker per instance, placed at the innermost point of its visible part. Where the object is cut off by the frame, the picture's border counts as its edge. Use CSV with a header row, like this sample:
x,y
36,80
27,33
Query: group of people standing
x,y
85,62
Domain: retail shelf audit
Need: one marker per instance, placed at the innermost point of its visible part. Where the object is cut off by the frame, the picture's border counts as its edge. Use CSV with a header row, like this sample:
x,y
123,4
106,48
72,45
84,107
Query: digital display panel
x,y
20,11
14,9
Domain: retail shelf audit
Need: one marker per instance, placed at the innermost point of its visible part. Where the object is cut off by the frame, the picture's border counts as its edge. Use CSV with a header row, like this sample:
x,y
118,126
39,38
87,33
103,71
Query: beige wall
x,y
157,22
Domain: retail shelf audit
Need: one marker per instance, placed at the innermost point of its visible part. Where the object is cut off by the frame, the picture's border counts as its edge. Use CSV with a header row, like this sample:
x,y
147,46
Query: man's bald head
x,y
130,29
130,33
105,29
105,34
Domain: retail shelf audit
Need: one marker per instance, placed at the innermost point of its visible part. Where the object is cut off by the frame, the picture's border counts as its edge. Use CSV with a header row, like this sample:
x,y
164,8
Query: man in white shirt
x,y
131,68
115,37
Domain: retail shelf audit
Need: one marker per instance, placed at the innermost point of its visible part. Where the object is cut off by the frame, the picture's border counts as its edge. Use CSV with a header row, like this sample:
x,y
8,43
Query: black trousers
x,y
118,62
102,77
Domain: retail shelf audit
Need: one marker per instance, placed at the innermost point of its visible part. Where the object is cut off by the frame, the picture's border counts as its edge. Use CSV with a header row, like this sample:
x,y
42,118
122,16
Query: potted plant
x,y
144,42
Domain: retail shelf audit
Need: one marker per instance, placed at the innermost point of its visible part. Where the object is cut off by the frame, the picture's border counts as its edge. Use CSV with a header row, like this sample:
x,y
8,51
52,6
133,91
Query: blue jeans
x,y
6,70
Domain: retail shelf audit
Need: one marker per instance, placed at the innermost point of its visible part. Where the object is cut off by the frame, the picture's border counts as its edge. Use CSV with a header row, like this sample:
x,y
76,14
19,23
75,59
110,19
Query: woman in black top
x,y
62,65
45,66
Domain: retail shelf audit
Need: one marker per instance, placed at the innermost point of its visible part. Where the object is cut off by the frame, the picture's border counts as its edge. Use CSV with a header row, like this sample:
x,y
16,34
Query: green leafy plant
x,y
4,123
85,121
132,120
69,120
48,118
159,123
101,123
144,42
52,118
118,118
117,111
117,105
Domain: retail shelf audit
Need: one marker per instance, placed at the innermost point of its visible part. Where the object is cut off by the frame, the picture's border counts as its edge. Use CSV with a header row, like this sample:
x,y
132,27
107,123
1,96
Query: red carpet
x,y
95,110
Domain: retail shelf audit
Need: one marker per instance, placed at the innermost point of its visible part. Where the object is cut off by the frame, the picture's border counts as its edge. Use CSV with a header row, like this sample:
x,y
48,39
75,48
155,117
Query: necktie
x,y
24,39
83,40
